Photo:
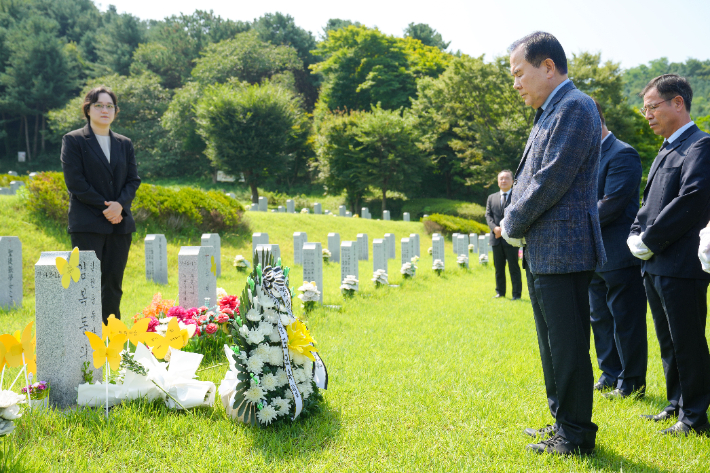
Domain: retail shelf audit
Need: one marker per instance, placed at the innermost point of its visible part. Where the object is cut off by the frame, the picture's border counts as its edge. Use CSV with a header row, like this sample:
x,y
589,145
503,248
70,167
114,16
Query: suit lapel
x,y
658,162
95,147
115,151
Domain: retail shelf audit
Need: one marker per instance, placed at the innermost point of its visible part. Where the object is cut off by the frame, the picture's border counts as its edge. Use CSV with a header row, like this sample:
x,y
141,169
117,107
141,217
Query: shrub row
x,y
448,225
177,210
6,179
468,210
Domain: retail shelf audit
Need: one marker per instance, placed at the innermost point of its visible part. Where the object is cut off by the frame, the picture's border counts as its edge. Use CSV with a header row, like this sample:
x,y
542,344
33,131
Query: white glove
x,y
512,241
704,249
638,247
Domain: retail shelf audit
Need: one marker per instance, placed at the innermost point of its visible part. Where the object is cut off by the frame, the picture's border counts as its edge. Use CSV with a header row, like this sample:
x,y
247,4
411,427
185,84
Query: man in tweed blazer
x,y
553,212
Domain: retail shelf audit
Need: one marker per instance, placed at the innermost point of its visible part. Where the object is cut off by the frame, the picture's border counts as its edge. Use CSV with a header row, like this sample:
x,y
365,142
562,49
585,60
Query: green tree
x,y
248,129
336,24
426,34
118,38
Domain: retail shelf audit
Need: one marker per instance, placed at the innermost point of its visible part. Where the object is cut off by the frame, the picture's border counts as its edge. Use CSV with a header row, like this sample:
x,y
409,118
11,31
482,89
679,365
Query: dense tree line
x,y
353,110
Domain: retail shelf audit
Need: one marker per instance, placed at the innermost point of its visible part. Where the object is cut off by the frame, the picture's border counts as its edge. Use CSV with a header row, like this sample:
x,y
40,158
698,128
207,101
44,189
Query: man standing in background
x,y
616,295
502,250
554,209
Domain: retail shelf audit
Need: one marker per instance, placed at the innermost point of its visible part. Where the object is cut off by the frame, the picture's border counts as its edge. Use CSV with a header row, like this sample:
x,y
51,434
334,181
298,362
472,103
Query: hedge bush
x,y
448,225
6,179
457,208
169,209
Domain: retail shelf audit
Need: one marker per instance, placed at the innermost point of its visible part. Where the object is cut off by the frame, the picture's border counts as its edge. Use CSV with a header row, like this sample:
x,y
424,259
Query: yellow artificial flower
x,y
300,340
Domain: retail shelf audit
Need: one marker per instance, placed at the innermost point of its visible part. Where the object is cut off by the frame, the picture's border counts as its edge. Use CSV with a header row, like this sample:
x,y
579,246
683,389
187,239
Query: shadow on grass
x,y
654,403
608,460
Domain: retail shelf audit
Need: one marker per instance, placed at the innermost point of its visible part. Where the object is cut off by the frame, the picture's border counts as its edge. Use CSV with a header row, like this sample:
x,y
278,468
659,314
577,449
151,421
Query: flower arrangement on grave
x,y
462,261
483,259
470,247
349,286
9,410
38,390
240,263
430,250
304,210
379,277
438,267
408,270
275,371
310,296
326,255
356,216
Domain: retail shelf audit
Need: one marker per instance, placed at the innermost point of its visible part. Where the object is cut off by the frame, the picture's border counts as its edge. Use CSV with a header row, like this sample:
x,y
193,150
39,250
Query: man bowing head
x,y
553,212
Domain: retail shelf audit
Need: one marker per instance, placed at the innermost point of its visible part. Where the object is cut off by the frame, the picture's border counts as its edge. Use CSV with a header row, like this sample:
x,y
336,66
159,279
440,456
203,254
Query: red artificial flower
x,y
211,328
222,318
231,302
177,311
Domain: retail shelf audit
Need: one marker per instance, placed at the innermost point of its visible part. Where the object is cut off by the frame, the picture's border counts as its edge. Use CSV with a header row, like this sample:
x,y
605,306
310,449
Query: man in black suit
x,y
502,250
616,295
665,235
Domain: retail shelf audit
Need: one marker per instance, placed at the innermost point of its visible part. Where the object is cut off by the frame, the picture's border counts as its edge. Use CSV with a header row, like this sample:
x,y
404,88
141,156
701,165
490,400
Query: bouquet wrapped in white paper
x,y
483,259
408,270
379,277
326,255
349,286
438,266
462,261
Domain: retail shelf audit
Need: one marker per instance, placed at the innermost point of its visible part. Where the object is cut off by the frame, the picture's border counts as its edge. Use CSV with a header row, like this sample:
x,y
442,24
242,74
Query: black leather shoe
x,y
498,296
547,431
619,394
599,386
515,298
679,429
661,416
558,445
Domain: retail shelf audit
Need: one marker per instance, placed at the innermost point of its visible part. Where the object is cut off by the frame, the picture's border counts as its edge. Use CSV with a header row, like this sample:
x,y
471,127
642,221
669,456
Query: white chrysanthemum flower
x,y
270,316
287,320
483,259
407,269
283,405
304,210
349,283
306,389
269,382
254,393
462,259
310,292
254,364
253,315
470,248
308,367
300,375
244,331
438,265
240,262
415,259
289,394
255,337
276,356
297,358
266,414
221,293
261,351
264,298
281,377
265,327
10,398
243,356
327,253
380,277
430,250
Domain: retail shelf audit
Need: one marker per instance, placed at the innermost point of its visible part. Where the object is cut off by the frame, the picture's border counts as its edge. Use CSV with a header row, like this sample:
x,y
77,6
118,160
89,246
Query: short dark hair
x,y
670,86
93,97
540,46
508,171
601,113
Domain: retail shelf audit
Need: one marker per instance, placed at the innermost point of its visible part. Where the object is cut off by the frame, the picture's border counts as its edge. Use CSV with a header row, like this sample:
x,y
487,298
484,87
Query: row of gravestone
x,y
262,206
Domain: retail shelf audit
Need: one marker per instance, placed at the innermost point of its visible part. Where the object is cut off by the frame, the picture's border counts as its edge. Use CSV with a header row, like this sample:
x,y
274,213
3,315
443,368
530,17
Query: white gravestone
x,y
12,173
213,240
254,207
473,240
407,250
414,237
349,263
313,265
341,211
438,249
455,242
62,317
389,245
263,204
231,194
363,246
379,258
14,185
196,281
435,234
405,216
262,252
365,213
299,238
385,215
462,245
156,258
348,213
483,245
290,206
282,209
334,247
317,209
258,239
10,272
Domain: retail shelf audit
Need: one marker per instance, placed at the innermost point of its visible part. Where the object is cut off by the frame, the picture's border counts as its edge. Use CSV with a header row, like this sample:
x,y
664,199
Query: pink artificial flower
x,y
231,302
222,318
193,312
203,309
211,328
229,312
203,319
152,324
177,311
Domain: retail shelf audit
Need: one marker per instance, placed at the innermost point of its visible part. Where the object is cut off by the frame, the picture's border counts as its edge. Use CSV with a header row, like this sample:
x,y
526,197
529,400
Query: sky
x,y
629,32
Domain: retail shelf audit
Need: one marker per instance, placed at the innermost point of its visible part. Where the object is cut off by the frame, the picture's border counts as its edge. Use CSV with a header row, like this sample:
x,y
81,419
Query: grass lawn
x,y
434,375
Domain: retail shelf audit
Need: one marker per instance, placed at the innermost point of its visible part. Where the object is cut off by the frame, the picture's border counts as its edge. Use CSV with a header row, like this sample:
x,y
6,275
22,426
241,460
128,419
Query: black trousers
x,y
502,253
561,308
618,314
679,309
112,251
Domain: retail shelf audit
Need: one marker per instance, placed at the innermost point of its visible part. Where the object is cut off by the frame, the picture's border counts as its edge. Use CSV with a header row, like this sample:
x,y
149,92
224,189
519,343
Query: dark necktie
x,y
665,144
503,199
538,114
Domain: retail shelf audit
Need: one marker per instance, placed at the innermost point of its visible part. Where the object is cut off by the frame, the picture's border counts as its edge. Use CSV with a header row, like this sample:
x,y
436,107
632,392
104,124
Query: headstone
x,y
407,250
435,234
10,273
258,239
389,242
327,212
224,177
317,209
281,209
62,317
299,238
156,258
363,246
262,252
334,247
213,240
14,185
349,263
290,206
33,175
379,254
483,245
414,237
462,245
473,240
348,213
438,248
5,191
273,210
254,207
425,216
385,215
21,156
231,194
196,281
405,216
12,173
365,213
455,241
313,265
341,211
263,204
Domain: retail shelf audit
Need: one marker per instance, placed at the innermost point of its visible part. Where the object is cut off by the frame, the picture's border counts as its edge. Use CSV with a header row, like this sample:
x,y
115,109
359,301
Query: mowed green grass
x,y
434,375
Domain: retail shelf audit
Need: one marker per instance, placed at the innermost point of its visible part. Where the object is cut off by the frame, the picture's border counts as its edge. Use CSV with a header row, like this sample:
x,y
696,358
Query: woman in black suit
x,y
102,178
